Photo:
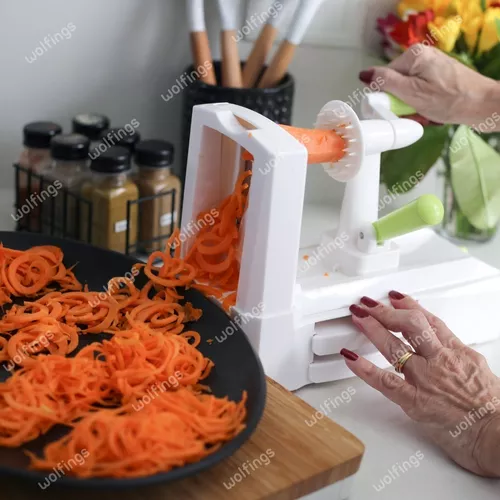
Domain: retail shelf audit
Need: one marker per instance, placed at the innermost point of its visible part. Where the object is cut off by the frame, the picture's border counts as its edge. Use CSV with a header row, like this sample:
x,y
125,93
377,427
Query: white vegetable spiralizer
x,y
297,316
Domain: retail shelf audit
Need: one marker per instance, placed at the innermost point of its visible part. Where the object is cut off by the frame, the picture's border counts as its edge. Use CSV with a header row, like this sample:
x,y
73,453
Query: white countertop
x,y
389,436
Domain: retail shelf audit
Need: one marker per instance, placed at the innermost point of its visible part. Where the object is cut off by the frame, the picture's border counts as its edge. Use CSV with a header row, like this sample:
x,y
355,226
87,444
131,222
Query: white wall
x,y
119,59
122,55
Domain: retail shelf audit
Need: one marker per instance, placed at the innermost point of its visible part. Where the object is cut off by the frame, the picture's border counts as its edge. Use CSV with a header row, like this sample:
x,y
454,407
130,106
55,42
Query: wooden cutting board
x,y
284,459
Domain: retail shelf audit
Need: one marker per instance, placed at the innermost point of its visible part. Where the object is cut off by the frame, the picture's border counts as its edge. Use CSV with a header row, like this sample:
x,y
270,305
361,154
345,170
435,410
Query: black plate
x,y
237,368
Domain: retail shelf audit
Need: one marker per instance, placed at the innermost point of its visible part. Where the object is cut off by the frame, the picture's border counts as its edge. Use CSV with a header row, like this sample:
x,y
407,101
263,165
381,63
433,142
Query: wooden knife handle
x,y
203,57
258,56
231,66
279,65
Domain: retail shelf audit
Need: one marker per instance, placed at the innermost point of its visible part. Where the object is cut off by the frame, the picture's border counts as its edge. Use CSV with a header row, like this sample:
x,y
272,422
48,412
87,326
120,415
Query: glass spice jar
x,y
35,157
67,172
121,136
90,125
158,216
109,190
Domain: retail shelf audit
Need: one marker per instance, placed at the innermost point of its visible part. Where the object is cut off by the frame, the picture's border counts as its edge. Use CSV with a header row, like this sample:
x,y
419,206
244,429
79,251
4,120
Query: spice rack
x,y
40,215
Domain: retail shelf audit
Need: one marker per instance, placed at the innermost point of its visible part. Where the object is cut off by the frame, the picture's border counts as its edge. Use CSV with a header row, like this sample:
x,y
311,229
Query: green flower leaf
x,y
464,58
497,22
400,165
475,177
488,63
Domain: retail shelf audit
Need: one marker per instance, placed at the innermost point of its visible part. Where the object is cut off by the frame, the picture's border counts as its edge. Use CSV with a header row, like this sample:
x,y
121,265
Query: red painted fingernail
x,y
396,295
366,76
349,354
368,302
358,311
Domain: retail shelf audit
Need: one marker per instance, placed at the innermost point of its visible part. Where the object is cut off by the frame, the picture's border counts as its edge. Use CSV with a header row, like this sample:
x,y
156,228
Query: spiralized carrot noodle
x,y
175,429
213,262
29,273
123,291
53,389
86,308
47,334
173,271
137,358
215,252
4,356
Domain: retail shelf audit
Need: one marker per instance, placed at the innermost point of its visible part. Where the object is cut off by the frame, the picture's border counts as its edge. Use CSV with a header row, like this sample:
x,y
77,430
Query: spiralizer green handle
x,y
427,210
400,108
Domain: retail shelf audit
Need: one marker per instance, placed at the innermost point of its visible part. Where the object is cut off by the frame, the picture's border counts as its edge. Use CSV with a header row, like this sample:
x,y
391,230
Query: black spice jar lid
x,y
69,147
154,153
119,136
90,125
39,134
114,160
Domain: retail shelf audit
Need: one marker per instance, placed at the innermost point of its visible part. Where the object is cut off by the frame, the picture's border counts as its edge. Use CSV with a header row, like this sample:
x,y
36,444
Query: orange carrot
x,y
323,146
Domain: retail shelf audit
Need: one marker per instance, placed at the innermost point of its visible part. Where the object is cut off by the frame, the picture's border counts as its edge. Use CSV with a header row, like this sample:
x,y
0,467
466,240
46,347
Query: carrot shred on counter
x,y
135,402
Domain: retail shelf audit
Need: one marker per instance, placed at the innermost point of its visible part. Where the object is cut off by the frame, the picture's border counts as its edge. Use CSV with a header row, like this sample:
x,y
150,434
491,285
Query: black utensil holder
x,y
41,217
275,103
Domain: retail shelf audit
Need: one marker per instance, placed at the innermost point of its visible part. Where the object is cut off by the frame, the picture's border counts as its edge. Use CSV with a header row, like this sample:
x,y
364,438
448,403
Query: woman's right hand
x,y
448,387
439,87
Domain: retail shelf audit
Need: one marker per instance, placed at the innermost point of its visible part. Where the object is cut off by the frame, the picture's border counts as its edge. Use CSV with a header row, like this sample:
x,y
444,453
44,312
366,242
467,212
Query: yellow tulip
x,y
489,36
472,20
440,7
445,32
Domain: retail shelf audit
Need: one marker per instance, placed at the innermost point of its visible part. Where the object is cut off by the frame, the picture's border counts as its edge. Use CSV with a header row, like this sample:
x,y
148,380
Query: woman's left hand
x,y
448,387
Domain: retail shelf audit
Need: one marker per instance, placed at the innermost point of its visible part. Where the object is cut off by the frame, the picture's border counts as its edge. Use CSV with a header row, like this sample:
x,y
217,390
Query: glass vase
x,y
456,226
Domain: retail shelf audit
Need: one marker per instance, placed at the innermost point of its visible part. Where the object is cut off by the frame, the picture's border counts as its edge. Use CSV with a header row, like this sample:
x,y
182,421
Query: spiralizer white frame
x,y
304,319
276,198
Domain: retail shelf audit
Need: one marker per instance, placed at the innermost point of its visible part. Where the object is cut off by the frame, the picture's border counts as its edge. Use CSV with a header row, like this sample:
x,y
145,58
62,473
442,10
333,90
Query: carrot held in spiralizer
x,y
323,146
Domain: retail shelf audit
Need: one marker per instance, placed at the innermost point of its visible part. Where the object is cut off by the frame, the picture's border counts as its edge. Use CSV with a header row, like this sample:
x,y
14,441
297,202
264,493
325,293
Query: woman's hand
x,y
448,388
439,87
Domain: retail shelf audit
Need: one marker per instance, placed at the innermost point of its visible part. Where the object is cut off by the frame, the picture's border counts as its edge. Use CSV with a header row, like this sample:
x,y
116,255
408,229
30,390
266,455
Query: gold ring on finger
x,y
400,363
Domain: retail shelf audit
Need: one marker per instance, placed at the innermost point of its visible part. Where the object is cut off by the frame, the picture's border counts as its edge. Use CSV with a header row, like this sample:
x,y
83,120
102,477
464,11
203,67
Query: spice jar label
x,y
166,219
120,226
